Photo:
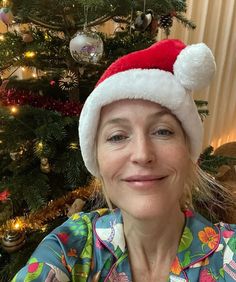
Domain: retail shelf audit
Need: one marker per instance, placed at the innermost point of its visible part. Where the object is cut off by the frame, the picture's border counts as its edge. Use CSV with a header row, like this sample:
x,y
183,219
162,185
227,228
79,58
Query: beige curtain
x,y
216,26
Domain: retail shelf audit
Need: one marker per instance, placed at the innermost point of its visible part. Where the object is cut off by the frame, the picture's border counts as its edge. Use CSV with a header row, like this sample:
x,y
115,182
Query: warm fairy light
x,y
4,2
46,37
44,229
34,75
40,145
14,109
73,146
23,68
1,141
18,224
30,54
2,38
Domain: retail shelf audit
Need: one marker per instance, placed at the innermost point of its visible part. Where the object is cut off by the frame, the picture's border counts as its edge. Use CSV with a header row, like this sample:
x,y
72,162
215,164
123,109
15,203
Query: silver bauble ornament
x,y
86,47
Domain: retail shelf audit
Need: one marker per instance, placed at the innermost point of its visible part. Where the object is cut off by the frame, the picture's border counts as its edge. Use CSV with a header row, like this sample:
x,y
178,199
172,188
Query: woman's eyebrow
x,y
119,120
115,121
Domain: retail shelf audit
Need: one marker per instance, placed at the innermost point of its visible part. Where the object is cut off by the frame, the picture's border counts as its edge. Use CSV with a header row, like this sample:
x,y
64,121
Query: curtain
x,y
216,26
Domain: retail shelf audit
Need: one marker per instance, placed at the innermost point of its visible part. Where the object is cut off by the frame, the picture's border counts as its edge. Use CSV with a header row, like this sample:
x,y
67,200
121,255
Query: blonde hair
x,y
204,194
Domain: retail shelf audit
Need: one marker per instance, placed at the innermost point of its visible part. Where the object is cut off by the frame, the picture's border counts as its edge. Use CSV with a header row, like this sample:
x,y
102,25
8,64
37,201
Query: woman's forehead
x,y
128,106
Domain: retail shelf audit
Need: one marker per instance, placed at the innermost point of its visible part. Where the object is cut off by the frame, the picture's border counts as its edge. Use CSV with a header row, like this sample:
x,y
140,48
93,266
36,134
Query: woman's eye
x,y
164,132
117,138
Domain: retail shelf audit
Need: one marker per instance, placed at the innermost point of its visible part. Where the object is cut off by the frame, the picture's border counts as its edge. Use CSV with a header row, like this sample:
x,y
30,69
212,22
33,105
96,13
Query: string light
x,y
34,75
46,37
30,54
14,109
23,68
73,146
4,2
2,38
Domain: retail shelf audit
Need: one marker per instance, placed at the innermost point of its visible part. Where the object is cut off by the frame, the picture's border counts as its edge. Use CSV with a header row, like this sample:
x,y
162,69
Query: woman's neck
x,y
153,243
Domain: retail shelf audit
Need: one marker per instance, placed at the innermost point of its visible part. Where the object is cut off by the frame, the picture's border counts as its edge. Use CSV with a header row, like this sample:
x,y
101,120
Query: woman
x,y
140,133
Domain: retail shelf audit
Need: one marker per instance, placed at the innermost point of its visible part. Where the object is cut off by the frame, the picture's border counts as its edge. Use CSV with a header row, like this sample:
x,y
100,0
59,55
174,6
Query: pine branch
x,y
61,27
180,17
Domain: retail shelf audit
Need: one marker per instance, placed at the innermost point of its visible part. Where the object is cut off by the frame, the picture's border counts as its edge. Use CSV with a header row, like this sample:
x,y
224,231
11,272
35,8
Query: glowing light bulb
x,y
2,38
40,145
14,109
30,54
73,146
17,226
34,75
23,68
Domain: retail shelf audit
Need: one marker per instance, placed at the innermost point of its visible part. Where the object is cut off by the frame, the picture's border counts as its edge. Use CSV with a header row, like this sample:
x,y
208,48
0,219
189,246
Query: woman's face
x,y
143,157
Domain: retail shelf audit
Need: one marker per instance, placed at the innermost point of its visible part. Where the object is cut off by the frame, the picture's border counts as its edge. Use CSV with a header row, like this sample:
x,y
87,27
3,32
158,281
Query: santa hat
x,y
164,73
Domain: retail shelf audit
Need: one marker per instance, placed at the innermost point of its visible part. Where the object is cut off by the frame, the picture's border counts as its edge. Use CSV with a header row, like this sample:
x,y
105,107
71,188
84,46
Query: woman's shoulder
x,y
78,226
62,249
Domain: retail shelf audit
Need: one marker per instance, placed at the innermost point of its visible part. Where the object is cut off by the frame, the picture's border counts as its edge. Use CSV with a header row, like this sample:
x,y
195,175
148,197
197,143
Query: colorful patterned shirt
x,y
91,247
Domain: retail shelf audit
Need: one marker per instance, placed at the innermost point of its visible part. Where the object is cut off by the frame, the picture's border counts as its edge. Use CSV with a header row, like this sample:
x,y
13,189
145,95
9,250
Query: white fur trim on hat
x,y
153,85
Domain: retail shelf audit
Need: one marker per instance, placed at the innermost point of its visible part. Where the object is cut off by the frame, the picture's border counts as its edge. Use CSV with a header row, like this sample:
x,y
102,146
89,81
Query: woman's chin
x,y
144,211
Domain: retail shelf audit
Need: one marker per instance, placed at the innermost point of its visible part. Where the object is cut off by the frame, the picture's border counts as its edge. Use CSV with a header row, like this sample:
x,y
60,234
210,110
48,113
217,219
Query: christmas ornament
x,y
143,20
27,37
15,156
69,81
44,165
6,15
4,195
86,47
166,21
52,82
13,240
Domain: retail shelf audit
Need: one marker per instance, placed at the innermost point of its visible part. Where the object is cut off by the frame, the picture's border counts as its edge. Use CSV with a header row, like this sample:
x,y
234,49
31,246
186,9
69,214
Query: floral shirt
x,y
91,247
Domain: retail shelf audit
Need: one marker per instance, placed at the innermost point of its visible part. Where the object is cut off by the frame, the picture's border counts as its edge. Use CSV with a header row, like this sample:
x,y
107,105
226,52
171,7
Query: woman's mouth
x,y
144,180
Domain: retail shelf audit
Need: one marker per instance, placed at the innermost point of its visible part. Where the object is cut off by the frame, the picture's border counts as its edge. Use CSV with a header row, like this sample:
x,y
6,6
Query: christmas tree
x,y
62,44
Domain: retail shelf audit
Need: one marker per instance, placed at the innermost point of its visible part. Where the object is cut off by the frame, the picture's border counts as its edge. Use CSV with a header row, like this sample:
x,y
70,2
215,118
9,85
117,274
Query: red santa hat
x,y
164,73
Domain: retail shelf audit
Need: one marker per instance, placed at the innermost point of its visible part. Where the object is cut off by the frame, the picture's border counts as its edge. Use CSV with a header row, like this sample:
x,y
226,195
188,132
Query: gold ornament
x,y
44,166
69,81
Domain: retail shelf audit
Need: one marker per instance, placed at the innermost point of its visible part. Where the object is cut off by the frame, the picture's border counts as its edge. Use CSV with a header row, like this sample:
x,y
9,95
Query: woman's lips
x,y
143,180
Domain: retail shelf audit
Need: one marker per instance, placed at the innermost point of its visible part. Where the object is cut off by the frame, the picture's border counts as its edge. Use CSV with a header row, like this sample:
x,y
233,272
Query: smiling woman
x,y
141,135
143,158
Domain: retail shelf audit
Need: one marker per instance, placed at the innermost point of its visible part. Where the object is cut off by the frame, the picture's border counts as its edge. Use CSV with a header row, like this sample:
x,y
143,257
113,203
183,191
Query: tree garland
x,y
12,97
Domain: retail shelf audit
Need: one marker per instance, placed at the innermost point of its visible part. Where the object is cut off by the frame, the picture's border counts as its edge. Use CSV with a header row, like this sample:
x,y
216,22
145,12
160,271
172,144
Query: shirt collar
x,y
109,231
199,239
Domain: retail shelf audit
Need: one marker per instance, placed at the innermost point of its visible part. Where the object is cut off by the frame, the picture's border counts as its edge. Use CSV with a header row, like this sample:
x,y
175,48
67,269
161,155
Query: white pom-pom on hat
x,y
195,66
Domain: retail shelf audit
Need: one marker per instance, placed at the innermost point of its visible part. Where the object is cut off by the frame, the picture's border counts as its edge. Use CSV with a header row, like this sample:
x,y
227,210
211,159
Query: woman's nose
x,y
143,151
